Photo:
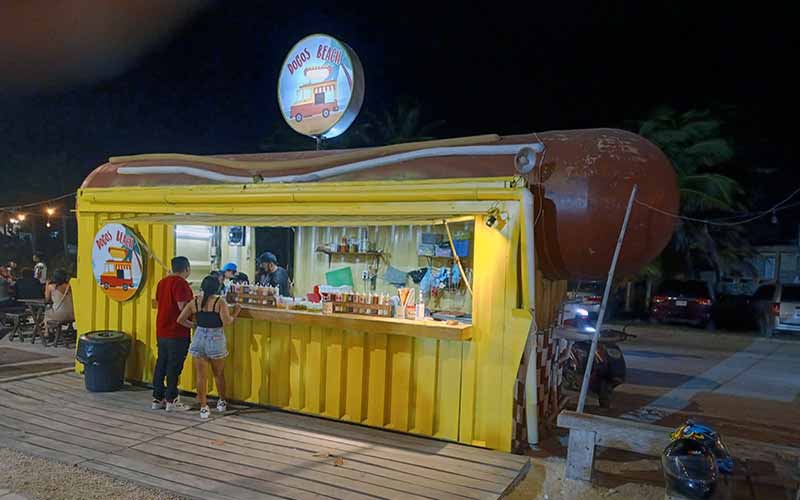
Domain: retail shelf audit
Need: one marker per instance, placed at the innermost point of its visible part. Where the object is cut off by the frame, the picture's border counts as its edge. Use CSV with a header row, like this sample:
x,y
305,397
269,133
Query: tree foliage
x,y
696,144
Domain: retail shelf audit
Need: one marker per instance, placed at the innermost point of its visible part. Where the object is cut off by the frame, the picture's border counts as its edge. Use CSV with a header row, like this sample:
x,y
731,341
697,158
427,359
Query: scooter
x,y
608,369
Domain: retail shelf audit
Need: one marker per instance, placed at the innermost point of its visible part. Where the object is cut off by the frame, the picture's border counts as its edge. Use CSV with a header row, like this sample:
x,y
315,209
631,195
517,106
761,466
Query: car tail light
x,y
658,299
776,309
704,302
593,299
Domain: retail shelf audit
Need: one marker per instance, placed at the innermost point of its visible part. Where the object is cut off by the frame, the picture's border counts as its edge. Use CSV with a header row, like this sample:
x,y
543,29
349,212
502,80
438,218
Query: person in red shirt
x,y
172,294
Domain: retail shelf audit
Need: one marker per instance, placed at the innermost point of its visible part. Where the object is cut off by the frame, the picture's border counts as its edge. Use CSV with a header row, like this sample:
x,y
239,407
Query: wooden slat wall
x,y
461,391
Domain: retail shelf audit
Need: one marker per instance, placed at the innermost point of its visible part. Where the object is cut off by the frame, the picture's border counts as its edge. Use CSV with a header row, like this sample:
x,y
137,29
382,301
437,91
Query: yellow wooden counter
x,y
360,322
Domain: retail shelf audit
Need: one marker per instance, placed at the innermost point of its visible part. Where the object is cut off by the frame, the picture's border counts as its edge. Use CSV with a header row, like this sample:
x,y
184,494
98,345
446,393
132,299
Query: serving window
x,y
369,260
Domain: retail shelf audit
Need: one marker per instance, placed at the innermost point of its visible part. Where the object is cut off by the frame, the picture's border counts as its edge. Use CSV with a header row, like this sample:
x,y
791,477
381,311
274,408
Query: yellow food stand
x,y
455,380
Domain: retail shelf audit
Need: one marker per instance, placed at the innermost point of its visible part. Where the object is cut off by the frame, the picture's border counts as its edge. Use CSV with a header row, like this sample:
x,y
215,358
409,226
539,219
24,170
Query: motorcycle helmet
x,y
690,469
710,439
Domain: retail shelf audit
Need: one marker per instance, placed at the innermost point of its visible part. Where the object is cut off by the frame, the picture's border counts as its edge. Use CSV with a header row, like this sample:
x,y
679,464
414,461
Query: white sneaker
x,y
204,412
176,405
222,406
158,404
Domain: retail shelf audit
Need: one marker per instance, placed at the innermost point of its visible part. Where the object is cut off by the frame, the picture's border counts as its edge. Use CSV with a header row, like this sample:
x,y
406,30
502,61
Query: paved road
x,y
745,385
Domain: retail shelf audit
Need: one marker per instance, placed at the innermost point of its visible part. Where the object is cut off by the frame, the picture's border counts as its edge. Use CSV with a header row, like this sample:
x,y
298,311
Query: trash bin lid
x,y
103,336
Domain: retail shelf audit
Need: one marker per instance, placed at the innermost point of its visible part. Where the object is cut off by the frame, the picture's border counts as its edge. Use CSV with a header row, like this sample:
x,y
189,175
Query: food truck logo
x,y
321,87
117,261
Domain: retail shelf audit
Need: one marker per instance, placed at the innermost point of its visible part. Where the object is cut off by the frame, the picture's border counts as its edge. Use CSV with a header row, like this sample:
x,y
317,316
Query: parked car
x,y
583,299
734,311
777,308
683,302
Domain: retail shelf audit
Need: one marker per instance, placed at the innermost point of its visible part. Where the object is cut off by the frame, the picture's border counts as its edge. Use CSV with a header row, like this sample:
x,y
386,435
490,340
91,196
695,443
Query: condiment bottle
x,y
420,308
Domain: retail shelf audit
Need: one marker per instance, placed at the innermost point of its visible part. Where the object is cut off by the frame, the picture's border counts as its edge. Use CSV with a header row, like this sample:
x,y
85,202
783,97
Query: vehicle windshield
x,y
790,294
697,289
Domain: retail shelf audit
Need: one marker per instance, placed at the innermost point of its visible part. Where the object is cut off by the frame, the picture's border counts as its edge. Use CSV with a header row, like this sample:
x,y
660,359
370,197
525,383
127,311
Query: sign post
x,y
598,327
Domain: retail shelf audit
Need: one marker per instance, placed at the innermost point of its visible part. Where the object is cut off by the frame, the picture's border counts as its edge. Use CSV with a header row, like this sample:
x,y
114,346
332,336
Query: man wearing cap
x,y
231,274
273,275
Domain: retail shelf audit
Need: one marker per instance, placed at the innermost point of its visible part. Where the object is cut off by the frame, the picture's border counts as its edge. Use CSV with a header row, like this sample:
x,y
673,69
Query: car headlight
x,y
590,329
581,312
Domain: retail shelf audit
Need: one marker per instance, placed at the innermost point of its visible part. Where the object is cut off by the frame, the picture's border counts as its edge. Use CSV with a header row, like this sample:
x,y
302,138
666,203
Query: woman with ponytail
x,y
208,343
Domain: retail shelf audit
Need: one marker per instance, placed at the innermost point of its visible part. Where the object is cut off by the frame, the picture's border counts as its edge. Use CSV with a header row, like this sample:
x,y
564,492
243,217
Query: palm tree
x,y
401,124
694,142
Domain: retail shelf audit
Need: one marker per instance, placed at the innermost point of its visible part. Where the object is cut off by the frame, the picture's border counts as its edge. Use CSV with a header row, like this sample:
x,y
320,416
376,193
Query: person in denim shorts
x,y
211,314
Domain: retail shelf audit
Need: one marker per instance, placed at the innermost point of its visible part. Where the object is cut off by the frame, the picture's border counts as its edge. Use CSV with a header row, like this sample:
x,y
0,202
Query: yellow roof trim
x,y
292,220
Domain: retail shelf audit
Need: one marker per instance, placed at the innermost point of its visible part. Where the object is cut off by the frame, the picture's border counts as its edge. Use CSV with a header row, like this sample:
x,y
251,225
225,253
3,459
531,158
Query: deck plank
x,y
352,453
60,446
259,455
53,415
227,483
289,479
146,465
331,440
150,481
39,451
349,468
140,413
124,400
65,414
145,418
396,439
63,437
69,429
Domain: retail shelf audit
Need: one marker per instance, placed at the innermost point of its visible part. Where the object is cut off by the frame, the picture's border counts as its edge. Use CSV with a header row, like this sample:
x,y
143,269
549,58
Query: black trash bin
x,y
103,354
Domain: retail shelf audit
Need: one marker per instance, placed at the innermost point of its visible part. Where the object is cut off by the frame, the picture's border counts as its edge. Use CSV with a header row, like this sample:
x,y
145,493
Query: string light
x,y
50,210
38,203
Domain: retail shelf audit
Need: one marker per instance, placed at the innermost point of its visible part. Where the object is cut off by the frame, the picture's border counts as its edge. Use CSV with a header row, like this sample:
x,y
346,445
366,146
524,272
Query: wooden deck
x,y
244,454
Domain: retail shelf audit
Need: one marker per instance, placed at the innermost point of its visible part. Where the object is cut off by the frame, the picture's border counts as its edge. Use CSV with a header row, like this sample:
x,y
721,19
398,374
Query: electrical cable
x,y
43,202
715,222
539,183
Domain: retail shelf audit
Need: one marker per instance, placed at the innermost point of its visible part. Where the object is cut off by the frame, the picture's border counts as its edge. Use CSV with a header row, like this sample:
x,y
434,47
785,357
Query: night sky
x,y
494,67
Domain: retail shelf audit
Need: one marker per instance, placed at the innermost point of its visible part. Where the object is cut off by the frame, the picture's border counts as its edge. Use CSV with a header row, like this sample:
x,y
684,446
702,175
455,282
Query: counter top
x,y
370,324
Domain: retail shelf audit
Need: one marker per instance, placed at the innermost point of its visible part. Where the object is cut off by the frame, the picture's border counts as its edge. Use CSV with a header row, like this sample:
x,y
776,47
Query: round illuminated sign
x,y
321,87
118,261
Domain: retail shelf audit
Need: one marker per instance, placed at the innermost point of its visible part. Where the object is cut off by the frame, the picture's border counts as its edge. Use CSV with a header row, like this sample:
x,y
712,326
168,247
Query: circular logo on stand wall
x,y
321,87
118,262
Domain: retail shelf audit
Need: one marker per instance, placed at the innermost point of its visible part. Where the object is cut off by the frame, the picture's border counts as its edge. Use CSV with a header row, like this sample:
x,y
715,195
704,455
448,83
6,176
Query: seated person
x,y
28,287
7,302
59,295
